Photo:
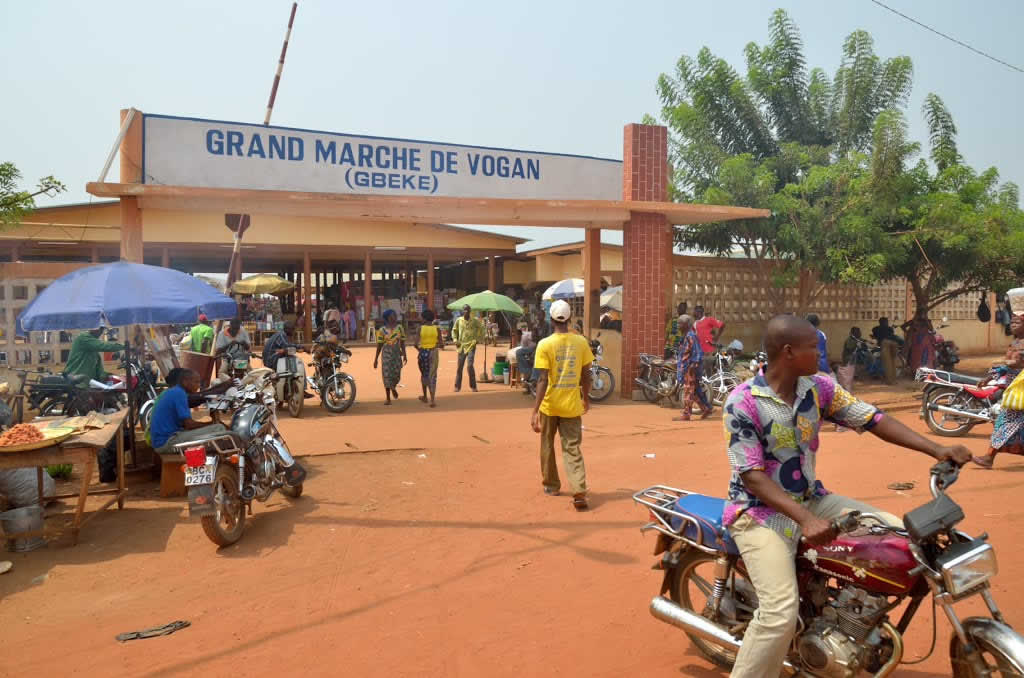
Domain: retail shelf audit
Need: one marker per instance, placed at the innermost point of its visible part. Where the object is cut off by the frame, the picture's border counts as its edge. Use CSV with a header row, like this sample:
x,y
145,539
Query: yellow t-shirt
x,y
428,336
564,356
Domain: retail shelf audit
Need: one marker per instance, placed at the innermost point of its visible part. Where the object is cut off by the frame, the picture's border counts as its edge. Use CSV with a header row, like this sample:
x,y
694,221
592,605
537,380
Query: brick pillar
x,y
647,248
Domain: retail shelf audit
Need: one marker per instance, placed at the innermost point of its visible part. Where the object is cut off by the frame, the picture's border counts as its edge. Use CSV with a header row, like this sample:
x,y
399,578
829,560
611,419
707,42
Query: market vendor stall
x,y
262,308
78,445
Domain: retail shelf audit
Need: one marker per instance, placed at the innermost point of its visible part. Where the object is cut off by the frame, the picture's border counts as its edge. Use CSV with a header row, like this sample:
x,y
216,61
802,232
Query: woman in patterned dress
x,y
429,345
688,370
1008,435
391,347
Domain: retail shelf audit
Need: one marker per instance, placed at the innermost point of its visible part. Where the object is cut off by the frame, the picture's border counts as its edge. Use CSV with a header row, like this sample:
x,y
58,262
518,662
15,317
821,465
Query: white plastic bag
x,y
20,488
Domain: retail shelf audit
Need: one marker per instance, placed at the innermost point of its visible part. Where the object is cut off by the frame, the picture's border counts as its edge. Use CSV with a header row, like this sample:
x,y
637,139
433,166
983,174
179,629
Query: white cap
x,y
561,311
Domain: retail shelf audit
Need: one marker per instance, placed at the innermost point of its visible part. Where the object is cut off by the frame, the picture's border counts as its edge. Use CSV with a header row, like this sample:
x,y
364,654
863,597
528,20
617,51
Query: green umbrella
x,y
487,301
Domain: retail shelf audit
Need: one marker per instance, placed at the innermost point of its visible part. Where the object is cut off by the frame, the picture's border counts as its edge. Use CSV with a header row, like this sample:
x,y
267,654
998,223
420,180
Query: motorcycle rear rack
x,y
659,499
222,444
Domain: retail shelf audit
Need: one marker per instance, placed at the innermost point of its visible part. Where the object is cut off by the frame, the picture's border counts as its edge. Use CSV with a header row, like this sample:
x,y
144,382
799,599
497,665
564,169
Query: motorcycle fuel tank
x,y
877,563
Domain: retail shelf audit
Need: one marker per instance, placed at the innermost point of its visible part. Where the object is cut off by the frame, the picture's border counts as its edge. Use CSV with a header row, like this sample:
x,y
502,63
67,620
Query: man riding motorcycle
x,y
232,343
774,497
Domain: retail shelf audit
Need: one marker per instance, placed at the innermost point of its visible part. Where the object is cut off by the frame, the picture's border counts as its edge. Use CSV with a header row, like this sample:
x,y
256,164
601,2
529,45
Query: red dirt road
x,y
438,556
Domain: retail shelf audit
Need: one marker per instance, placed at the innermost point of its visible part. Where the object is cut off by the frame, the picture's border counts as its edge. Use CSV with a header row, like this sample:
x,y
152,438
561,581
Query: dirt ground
x,y
423,546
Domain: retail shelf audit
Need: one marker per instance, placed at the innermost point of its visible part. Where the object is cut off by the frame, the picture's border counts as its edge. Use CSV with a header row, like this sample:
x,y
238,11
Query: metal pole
x,y
280,65
124,130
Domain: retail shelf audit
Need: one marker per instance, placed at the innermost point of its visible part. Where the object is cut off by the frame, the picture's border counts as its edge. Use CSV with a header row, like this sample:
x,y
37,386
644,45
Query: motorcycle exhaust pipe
x,y
665,610
960,413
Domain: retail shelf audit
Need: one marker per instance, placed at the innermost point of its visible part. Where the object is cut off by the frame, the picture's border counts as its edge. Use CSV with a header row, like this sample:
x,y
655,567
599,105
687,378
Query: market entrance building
x,y
355,210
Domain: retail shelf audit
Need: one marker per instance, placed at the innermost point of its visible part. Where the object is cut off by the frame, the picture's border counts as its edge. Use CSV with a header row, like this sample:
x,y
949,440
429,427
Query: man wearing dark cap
x,y
775,498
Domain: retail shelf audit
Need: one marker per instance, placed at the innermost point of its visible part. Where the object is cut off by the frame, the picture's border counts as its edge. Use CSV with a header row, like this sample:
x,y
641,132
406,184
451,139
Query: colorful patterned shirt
x,y
690,353
765,434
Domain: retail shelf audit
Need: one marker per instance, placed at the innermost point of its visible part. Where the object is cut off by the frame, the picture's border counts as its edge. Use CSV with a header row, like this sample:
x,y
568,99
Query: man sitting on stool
x,y
172,422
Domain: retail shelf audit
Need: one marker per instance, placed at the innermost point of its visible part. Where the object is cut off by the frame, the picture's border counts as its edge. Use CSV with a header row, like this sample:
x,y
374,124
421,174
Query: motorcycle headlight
x,y
967,566
343,357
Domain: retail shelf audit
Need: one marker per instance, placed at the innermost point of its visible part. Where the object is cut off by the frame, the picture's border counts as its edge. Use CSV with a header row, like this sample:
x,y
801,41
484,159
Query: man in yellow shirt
x,y
466,333
562,363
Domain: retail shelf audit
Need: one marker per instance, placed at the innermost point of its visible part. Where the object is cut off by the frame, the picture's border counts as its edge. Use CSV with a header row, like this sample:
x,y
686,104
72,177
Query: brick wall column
x,y
647,248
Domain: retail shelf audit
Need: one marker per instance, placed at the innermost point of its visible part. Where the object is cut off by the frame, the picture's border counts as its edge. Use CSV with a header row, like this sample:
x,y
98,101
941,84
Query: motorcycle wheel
x,y
296,399
603,385
649,392
339,393
942,423
225,526
690,588
996,660
718,387
292,492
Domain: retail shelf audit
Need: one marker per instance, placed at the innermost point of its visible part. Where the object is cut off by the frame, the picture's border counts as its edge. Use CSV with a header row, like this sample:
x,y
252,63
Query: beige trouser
x,y
889,351
570,430
771,562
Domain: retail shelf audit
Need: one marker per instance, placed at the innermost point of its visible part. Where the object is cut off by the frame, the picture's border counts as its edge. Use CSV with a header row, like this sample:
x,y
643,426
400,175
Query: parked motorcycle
x,y
953,404
224,472
847,588
289,378
602,381
947,354
656,377
336,388
234,360
722,380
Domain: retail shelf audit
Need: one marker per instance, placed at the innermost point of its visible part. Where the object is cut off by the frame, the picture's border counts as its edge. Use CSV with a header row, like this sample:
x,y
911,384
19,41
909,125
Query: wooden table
x,y
81,450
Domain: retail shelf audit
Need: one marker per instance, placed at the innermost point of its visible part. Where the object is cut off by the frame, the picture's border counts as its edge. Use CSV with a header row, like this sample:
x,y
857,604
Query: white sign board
x,y
213,154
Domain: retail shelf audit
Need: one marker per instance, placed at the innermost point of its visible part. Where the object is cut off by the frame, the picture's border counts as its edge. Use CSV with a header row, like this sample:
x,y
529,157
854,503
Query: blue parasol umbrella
x,y
123,293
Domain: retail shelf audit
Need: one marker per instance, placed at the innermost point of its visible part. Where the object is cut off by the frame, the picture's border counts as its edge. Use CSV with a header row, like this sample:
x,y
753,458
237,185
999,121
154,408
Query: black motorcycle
x,y
225,471
336,388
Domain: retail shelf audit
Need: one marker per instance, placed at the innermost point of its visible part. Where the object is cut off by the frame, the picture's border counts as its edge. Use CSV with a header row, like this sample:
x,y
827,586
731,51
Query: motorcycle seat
x,y
983,393
658,362
65,380
708,512
955,378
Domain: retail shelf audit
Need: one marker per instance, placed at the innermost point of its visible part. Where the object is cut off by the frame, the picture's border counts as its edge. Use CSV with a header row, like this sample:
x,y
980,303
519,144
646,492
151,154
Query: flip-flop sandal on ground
x,y
680,418
580,503
983,462
551,493
165,630
423,399
909,485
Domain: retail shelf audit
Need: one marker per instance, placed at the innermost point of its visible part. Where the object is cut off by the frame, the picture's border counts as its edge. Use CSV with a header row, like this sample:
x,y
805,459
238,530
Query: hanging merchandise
x,y
984,313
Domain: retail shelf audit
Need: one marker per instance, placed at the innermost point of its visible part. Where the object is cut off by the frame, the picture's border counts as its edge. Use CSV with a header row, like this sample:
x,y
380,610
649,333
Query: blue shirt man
x,y
171,410
172,422
823,365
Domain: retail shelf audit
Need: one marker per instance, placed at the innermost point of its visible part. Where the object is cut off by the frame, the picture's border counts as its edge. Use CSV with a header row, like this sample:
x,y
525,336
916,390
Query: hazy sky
x,y
545,76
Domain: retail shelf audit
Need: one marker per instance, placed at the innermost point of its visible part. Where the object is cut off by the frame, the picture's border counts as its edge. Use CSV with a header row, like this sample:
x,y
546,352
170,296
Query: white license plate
x,y
199,475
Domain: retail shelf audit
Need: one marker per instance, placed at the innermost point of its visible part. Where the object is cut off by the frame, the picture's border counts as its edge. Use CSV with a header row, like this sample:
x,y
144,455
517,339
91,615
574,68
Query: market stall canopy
x,y
123,293
564,289
612,297
487,301
265,283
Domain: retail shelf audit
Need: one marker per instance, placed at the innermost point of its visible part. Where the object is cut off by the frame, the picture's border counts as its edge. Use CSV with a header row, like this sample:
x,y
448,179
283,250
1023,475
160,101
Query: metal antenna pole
x,y
280,65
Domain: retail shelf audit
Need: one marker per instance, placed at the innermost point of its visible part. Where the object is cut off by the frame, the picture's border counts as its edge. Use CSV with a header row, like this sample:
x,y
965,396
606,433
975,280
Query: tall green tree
x,y
948,232
16,203
797,135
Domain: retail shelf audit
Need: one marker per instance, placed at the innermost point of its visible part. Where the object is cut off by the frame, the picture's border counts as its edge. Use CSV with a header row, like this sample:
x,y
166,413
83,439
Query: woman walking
x,y
688,371
1008,435
428,344
391,353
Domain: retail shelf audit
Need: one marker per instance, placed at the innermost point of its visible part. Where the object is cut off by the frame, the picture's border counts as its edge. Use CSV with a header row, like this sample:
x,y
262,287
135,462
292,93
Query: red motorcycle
x,y
848,588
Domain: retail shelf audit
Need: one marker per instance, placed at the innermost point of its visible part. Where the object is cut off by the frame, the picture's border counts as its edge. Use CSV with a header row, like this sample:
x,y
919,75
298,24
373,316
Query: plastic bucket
x,y
499,368
24,519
